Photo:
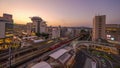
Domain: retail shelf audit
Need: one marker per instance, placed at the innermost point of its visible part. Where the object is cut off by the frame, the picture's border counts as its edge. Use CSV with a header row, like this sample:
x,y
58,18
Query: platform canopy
x,y
41,65
58,53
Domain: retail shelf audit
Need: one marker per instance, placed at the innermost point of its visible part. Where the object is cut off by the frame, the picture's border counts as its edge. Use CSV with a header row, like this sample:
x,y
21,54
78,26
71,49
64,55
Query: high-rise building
x,y
6,26
40,25
6,29
99,23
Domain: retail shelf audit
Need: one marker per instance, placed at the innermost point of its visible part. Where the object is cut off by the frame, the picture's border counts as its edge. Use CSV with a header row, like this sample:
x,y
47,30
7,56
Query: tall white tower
x,y
40,25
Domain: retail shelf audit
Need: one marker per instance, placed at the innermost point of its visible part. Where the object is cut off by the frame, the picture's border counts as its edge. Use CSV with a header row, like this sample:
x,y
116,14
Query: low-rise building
x,y
30,28
19,29
113,32
55,32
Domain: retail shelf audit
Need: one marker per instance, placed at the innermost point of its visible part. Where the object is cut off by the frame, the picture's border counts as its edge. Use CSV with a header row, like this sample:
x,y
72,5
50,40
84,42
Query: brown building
x,y
99,27
113,32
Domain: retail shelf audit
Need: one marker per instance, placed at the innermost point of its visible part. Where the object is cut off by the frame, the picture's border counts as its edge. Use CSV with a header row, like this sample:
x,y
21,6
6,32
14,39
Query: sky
x,y
62,12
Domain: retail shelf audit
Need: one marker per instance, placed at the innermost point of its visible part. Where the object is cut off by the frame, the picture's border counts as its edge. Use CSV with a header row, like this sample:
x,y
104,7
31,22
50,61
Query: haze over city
x,y
62,12
59,33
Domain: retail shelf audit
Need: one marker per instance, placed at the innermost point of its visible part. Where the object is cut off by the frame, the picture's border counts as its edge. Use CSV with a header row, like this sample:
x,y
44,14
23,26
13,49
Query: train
x,y
61,43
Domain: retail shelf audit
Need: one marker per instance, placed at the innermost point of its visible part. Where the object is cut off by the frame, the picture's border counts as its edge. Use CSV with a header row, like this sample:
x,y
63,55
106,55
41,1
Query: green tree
x,y
45,35
38,34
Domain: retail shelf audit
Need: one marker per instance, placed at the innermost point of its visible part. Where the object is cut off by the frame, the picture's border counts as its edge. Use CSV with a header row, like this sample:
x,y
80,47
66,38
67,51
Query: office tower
x,y
99,23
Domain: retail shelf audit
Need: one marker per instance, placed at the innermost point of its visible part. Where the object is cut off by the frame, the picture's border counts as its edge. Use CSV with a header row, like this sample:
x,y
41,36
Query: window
x,y
100,19
64,57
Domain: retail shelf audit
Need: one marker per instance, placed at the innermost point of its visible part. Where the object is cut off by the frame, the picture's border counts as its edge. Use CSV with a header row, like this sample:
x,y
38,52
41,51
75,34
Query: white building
x,y
6,26
6,31
40,25
55,32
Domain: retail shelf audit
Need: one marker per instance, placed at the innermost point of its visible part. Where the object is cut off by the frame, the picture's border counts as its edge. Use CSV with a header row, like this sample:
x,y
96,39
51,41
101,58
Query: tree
x,y
45,35
38,34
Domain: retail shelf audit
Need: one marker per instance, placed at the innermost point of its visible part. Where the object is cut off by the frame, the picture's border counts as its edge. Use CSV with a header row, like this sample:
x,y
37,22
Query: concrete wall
x,y
2,30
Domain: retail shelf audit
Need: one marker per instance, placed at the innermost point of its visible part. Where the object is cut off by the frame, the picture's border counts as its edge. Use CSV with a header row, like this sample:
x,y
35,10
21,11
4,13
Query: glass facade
x,y
8,29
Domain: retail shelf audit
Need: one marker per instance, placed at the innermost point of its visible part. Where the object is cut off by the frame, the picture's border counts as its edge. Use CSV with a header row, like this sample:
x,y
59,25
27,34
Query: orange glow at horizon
x,y
22,17
21,14
61,12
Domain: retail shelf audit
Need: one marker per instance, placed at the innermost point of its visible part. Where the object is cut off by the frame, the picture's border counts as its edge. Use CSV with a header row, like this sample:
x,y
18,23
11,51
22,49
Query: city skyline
x,y
62,12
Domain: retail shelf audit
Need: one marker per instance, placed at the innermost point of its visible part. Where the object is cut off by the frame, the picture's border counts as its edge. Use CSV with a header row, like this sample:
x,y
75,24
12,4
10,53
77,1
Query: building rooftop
x,y
41,65
58,53
36,18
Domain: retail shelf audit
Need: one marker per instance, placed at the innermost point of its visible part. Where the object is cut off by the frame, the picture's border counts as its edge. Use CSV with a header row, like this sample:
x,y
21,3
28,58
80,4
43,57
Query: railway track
x,y
4,59
22,56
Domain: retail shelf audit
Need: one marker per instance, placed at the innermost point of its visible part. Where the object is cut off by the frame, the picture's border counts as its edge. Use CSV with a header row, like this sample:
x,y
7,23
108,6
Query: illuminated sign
x,y
108,36
112,38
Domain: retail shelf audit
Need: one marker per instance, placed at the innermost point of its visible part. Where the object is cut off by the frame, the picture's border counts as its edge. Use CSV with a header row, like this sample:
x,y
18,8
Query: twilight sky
x,y
62,12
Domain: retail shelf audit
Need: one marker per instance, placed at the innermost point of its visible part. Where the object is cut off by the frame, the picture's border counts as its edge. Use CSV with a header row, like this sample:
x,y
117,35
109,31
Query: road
x,y
82,56
107,60
102,59
79,60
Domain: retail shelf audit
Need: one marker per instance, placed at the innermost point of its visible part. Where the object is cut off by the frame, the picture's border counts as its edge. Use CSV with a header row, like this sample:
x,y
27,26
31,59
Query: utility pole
x,y
10,55
10,50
